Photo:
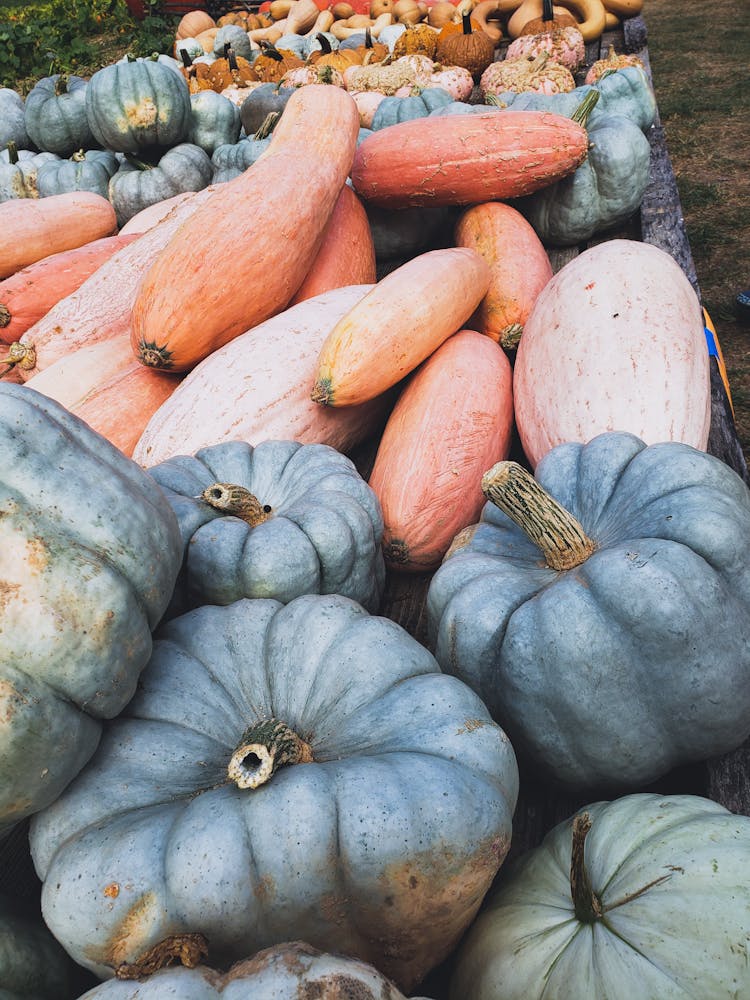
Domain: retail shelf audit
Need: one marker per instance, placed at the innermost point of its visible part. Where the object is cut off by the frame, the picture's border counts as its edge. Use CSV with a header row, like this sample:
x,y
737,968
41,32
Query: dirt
x,y
699,59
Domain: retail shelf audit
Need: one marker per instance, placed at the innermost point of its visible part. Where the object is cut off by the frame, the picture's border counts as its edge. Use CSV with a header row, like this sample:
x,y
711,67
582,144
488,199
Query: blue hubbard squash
x,y
55,114
602,613
284,772
89,554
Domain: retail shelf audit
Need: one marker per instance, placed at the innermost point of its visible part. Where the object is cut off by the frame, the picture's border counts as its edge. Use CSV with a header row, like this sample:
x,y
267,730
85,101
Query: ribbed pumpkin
x,y
612,61
273,63
419,39
192,23
538,74
231,70
299,771
469,47
86,170
86,572
139,184
55,114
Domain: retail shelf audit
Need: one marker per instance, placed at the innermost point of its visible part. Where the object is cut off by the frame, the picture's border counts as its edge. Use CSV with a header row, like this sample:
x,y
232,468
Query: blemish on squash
x,y
131,936
141,115
37,554
10,701
264,889
112,891
337,985
470,726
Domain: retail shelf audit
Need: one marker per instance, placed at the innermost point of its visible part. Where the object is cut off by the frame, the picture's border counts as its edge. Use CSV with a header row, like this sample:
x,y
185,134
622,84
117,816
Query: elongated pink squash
x,y
347,254
408,314
30,293
257,387
615,342
105,385
101,307
33,228
519,267
466,159
267,224
451,423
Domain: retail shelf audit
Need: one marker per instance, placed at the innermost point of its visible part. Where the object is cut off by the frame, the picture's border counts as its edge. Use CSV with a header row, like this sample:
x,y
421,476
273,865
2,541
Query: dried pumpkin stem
x,y
20,355
547,523
586,903
267,125
510,336
187,949
264,748
236,501
5,316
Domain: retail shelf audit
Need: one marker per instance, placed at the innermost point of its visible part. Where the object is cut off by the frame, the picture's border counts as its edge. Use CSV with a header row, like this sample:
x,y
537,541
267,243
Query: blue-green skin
x,y
139,105
214,121
234,35
323,536
403,232
392,110
260,102
671,876
625,92
601,194
57,122
91,173
33,966
636,661
12,119
102,552
232,159
19,180
381,848
185,167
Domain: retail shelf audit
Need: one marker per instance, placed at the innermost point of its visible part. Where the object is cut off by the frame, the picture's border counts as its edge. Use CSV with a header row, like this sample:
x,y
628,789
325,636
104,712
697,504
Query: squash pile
x,y
338,360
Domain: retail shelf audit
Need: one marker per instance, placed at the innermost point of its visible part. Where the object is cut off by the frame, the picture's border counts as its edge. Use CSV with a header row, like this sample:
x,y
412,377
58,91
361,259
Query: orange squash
x,y
256,388
398,324
466,159
519,267
104,385
269,222
347,254
36,228
30,293
452,422
101,307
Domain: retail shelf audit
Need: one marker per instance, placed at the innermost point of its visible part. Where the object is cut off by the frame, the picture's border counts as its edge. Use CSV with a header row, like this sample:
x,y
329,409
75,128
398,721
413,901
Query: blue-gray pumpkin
x,y
277,520
237,38
232,159
85,170
393,110
284,772
19,170
292,971
137,184
136,105
89,554
55,115
647,896
214,121
260,102
610,634
12,120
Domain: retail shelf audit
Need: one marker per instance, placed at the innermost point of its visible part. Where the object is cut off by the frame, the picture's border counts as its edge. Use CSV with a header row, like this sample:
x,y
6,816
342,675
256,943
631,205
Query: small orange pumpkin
x,y
338,59
470,47
231,71
273,63
196,74
419,39
193,23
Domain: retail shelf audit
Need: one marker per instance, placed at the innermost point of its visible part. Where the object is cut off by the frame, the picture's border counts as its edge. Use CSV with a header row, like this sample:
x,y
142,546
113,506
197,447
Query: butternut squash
x,y
36,228
406,316
256,388
451,423
269,222
466,159
519,267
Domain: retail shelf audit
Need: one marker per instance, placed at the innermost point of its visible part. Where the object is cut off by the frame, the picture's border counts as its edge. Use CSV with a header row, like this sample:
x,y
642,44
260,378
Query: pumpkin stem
x,y
466,22
12,151
586,903
547,12
237,501
5,316
510,336
61,84
584,109
79,156
19,355
368,39
547,523
264,748
187,61
188,949
267,125
134,161
270,50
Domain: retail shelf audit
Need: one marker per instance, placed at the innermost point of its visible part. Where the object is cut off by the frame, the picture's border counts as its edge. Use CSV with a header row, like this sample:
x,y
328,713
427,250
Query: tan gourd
x,y
378,7
272,34
301,17
323,22
194,22
280,8
206,39
341,11
624,8
407,12
487,14
590,14
442,13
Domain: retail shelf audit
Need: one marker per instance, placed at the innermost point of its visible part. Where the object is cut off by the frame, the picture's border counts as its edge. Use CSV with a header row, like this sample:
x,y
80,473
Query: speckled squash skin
x,y
320,535
609,674
89,553
671,878
287,972
380,846
55,115
185,167
614,342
